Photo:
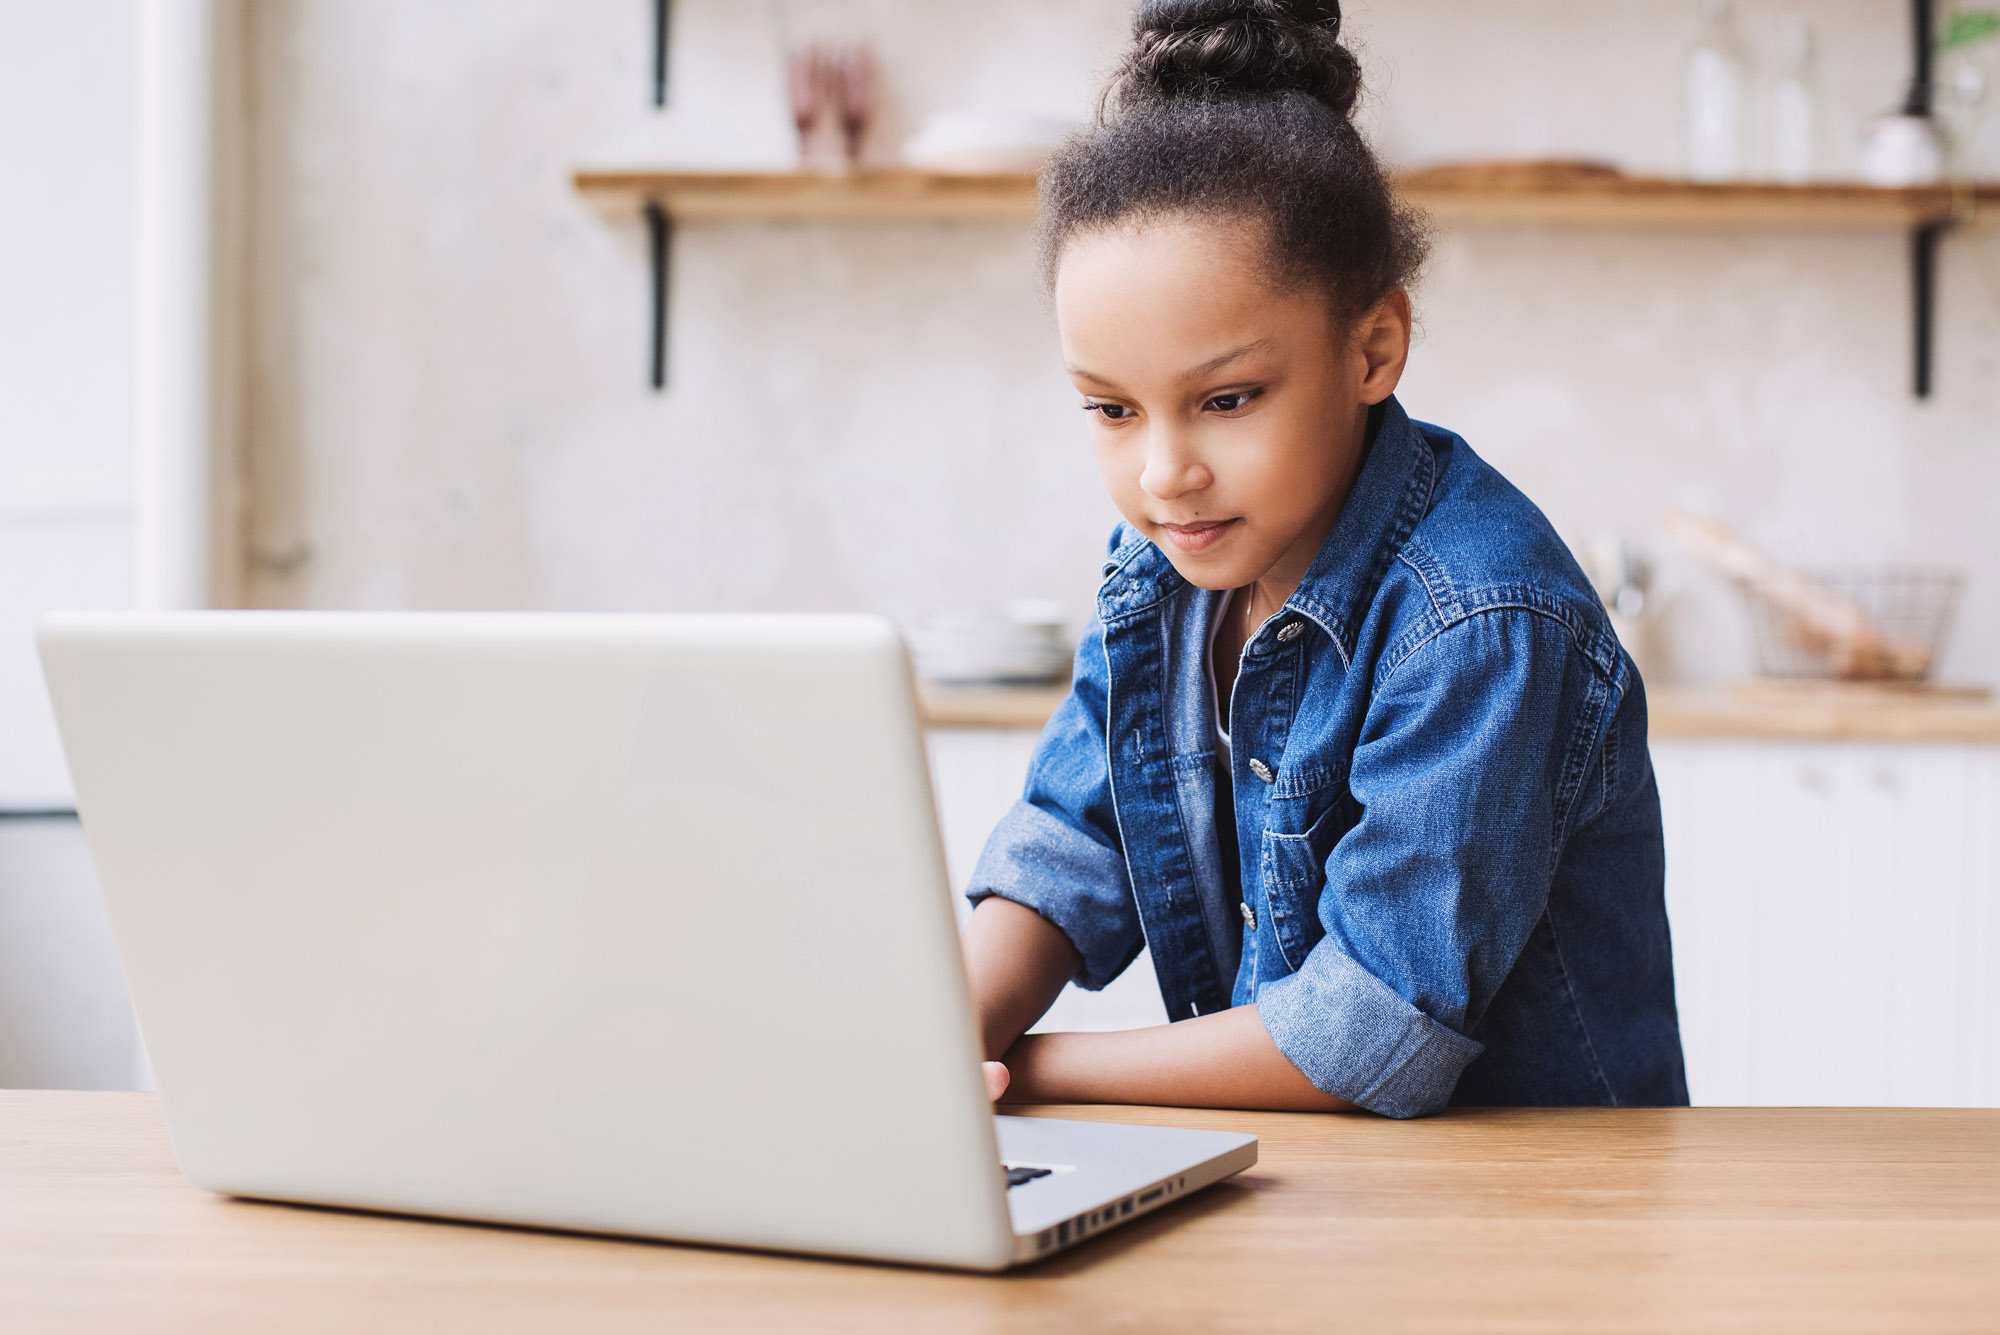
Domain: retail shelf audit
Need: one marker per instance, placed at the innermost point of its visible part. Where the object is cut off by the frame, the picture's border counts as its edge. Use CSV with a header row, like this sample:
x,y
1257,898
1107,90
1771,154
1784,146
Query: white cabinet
x,y
67,128
1836,917
1835,909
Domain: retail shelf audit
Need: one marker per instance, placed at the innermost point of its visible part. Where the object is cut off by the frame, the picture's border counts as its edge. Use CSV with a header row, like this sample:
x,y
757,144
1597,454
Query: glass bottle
x,y
1794,105
1718,76
1962,112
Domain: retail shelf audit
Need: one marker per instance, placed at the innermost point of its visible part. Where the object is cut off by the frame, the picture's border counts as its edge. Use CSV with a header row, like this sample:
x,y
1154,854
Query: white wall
x,y
449,407
66,259
66,505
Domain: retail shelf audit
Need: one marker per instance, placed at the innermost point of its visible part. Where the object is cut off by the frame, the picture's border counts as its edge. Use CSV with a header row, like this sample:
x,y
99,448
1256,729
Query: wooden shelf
x,y
1613,200
869,196
1546,194
1527,197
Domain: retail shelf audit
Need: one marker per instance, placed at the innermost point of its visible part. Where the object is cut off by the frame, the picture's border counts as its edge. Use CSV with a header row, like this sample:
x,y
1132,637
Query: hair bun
x,y
1213,48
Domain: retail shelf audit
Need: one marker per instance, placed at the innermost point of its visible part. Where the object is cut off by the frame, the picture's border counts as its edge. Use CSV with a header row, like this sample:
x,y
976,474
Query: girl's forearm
x,y
1016,962
1224,1060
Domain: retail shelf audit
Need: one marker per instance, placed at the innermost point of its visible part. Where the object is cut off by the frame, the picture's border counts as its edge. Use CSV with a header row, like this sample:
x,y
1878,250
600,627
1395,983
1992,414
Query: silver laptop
x,y
633,925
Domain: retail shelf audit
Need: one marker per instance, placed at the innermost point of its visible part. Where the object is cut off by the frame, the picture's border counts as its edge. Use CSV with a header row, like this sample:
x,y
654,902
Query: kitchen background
x,y
429,391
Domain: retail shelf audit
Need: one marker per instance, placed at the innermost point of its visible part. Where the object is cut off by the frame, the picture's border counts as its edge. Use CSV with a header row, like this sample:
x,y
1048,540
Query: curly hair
x,y
1240,108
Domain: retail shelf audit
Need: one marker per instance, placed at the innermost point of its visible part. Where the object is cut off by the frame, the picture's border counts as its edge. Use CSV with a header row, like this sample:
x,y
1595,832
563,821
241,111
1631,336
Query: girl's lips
x,y
1197,537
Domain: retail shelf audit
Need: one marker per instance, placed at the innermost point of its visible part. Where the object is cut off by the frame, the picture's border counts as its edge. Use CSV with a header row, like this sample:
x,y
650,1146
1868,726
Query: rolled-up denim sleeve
x,y
1057,850
1467,756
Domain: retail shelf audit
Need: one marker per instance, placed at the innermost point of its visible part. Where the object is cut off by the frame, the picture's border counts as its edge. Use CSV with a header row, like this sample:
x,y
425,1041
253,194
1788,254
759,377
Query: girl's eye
x,y
1111,412
1229,403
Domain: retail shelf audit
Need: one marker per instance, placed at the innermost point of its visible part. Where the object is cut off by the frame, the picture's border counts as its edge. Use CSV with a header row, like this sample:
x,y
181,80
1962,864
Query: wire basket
x,y
1881,623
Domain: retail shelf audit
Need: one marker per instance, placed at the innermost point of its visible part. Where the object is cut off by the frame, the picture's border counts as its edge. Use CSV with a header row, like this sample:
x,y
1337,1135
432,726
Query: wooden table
x,y
1554,1220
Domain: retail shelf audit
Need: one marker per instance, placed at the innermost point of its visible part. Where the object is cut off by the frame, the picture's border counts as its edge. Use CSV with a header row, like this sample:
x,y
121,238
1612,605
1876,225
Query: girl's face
x,y
1229,414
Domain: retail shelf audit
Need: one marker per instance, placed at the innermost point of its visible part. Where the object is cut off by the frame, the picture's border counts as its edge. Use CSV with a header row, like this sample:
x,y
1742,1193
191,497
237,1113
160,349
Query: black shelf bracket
x,y
663,14
659,248
1923,298
659,227
1925,237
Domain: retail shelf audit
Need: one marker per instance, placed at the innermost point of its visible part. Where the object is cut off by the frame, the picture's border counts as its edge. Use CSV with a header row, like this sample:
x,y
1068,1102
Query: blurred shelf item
x,y
986,140
1528,193
1875,623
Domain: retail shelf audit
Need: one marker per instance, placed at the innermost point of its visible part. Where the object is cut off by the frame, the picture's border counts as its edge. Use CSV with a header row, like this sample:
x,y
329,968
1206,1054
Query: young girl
x,y
1351,744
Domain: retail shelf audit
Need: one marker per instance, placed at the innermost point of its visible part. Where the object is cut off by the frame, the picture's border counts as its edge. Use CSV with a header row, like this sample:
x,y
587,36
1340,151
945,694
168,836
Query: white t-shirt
x,y
1222,606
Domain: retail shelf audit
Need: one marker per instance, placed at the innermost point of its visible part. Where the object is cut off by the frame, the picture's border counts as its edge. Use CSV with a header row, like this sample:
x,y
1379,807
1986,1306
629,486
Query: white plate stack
x,y
976,141
1020,644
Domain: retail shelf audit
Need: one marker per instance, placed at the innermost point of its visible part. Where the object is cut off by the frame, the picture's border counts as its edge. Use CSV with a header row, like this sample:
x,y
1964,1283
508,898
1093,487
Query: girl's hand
x,y
996,1079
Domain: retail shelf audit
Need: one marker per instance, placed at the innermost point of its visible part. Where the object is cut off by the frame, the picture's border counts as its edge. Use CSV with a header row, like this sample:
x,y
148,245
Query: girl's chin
x,y
1214,572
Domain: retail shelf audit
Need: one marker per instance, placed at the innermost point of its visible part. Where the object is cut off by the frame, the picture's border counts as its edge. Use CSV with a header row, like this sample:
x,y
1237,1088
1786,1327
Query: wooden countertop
x,y
1786,714
1829,713
989,707
1520,1220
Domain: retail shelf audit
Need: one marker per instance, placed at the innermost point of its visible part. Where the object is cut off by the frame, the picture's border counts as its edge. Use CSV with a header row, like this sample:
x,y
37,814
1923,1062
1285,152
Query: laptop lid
x,y
634,924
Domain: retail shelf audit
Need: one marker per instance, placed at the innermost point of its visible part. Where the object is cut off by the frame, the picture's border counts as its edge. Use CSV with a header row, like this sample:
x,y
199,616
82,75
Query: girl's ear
x,y
1382,344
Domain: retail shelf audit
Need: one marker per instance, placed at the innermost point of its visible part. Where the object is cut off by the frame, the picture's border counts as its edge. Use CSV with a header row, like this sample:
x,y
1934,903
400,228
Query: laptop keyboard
x,y
1016,1175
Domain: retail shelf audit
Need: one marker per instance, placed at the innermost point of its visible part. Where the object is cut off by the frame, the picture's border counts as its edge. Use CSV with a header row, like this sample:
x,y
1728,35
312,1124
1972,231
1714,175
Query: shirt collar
x,y
1391,493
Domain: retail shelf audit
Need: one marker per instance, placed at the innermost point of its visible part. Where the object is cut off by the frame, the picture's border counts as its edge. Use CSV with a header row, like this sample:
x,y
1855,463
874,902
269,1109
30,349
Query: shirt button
x,y
1290,631
1249,914
1261,770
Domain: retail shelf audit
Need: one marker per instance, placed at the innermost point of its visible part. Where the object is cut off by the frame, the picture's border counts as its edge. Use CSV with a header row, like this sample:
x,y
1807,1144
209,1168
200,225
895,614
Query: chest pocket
x,y
1294,873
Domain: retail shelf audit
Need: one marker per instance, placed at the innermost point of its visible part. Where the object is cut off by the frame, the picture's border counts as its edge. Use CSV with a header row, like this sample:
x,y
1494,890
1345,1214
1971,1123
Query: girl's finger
x,y
996,1079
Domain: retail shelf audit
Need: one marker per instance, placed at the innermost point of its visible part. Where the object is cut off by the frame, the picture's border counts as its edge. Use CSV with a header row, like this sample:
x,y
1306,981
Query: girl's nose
x,y
1172,469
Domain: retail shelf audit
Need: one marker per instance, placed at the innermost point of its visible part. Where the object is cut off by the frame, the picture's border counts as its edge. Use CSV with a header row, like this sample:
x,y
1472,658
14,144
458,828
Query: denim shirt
x,y
1449,836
